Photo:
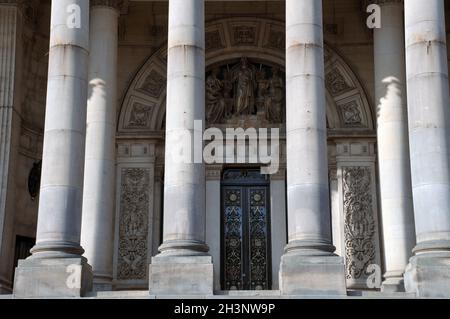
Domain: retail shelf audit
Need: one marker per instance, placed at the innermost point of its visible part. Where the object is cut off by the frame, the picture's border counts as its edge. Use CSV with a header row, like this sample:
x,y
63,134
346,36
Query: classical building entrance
x,y
246,262
245,88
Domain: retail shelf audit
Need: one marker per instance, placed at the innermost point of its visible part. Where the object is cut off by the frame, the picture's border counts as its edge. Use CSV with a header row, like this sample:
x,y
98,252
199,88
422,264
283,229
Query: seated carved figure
x,y
215,102
274,98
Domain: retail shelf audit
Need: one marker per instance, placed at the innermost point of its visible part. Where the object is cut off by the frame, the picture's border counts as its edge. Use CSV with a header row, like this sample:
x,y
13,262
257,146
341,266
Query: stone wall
x,y
33,96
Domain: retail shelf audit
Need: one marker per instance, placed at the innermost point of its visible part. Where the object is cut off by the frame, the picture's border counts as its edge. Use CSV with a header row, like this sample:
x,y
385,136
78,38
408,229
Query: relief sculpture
x,y
243,90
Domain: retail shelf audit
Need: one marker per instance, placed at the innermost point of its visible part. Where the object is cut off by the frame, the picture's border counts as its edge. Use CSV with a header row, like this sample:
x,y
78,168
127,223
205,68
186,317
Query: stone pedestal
x,y
189,275
57,278
312,275
428,275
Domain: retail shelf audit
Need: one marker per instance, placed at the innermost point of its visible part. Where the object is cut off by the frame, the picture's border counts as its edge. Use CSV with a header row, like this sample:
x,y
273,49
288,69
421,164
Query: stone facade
x,y
348,204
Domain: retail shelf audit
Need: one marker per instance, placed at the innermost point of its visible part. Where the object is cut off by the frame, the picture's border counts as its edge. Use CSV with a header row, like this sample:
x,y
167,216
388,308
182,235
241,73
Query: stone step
x,y
239,294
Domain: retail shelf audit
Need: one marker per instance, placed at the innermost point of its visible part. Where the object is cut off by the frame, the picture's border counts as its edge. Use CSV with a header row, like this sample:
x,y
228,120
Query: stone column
x,y
9,135
184,258
393,148
277,222
97,235
56,267
429,136
308,265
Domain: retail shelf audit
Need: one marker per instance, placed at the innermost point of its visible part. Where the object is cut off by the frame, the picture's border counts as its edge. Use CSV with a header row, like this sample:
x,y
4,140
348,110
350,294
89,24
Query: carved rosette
x,y
359,221
133,224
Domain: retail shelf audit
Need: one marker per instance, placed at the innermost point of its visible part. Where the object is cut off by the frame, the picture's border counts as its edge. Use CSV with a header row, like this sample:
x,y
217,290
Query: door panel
x,y
258,238
245,235
232,253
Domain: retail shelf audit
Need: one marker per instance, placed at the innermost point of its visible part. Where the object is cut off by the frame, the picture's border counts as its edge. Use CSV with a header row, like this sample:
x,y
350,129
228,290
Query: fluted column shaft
x,y
184,184
393,148
97,236
429,122
59,219
307,169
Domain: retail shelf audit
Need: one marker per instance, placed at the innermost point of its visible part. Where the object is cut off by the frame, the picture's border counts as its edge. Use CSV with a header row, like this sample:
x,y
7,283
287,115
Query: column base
x,y
428,275
181,275
52,277
312,275
393,284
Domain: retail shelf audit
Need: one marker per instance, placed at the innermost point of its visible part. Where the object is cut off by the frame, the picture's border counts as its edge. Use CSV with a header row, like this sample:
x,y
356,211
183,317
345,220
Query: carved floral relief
x,y
133,223
359,221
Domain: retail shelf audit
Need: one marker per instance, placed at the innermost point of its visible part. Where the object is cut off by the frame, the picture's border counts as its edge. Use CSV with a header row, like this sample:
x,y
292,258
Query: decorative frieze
x,y
137,150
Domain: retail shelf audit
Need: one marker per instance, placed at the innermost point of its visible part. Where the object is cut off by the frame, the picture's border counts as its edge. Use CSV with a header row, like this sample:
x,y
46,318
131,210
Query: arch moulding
x,y
143,107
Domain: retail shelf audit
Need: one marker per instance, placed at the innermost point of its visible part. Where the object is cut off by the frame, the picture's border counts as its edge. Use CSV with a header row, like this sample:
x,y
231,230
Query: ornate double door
x,y
245,230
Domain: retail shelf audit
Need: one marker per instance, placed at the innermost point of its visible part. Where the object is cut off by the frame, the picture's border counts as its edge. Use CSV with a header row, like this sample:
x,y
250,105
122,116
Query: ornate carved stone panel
x,y
336,83
359,222
244,35
351,114
214,38
133,223
140,115
275,37
154,84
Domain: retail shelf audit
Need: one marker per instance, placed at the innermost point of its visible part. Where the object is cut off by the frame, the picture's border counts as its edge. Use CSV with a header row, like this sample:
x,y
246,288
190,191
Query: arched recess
x,y
143,106
141,153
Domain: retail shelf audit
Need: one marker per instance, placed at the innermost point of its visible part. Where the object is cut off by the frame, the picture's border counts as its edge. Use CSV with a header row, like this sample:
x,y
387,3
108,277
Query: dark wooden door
x,y
245,231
